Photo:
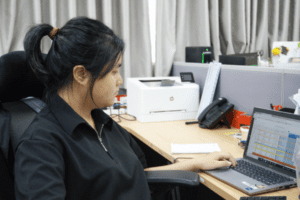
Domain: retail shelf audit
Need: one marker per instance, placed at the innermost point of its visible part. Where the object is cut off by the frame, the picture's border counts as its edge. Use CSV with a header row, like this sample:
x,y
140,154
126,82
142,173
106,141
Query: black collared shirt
x,y
60,156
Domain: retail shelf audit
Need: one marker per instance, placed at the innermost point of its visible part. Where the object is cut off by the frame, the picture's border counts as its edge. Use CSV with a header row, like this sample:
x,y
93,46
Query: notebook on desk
x,y
267,163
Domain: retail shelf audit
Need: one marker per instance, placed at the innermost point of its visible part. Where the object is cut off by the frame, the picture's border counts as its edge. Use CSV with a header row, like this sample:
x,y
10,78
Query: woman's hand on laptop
x,y
211,161
215,160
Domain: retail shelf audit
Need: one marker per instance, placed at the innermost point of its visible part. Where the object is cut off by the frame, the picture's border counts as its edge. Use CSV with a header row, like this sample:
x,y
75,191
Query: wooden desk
x,y
160,135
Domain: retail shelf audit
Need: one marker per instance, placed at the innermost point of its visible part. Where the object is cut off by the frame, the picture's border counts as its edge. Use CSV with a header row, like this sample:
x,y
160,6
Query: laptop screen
x,y
273,138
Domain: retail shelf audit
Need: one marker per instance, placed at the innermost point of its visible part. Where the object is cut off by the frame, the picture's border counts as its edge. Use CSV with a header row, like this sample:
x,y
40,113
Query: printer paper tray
x,y
167,116
167,111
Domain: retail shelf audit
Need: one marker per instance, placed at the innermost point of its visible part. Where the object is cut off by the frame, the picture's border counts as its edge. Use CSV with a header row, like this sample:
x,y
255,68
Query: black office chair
x,y
17,82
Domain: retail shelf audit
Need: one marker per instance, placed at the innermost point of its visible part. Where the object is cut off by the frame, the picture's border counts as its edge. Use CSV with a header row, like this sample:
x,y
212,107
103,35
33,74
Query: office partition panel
x,y
246,86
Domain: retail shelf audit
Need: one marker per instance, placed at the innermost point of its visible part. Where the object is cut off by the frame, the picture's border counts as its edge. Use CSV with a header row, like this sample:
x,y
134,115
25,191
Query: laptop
x,y
267,164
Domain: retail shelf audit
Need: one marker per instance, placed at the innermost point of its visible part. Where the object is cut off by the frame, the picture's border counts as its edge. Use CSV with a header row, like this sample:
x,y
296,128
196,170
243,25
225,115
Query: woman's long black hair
x,y
81,41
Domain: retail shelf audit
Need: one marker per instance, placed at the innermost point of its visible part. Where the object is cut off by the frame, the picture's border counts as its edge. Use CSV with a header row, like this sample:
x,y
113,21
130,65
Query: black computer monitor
x,y
232,60
251,58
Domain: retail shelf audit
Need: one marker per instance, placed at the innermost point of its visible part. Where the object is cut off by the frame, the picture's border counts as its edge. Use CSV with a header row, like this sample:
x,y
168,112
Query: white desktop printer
x,y
162,99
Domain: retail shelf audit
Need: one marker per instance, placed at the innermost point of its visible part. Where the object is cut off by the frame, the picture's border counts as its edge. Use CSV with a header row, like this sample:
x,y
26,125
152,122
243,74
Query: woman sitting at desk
x,y
73,150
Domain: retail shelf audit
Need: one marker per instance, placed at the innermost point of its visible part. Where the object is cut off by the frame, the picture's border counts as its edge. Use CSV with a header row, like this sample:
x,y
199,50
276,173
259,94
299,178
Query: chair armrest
x,y
173,177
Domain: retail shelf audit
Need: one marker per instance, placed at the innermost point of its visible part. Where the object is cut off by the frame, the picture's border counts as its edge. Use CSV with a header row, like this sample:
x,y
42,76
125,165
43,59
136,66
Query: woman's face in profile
x,y
106,89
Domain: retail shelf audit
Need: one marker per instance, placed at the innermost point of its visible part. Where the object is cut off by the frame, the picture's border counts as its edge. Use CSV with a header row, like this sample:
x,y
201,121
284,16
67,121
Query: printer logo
x,y
171,98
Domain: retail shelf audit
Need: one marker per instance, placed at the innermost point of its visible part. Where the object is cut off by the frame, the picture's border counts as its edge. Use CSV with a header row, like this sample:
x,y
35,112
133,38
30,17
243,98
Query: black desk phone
x,y
215,114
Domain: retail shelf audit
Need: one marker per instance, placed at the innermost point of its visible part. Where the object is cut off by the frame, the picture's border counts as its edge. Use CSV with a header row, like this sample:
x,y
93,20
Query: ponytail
x,y
81,41
32,44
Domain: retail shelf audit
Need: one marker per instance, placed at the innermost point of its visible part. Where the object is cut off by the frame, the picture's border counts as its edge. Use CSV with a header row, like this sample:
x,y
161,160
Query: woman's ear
x,y
81,75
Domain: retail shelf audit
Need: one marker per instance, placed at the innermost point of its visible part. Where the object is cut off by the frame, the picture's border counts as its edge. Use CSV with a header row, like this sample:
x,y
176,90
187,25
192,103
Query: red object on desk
x,y
119,96
237,118
278,107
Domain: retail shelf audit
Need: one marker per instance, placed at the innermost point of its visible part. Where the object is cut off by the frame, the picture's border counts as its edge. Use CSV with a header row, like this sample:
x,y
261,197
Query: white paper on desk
x,y
195,148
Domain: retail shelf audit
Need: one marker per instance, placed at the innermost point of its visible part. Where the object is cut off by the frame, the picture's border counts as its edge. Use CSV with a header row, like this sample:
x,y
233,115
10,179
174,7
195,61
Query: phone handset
x,y
203,114
214,114
218,102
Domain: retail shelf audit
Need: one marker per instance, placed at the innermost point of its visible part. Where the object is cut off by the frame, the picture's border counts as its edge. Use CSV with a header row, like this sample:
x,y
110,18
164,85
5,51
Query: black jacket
x,y
60,156
6,157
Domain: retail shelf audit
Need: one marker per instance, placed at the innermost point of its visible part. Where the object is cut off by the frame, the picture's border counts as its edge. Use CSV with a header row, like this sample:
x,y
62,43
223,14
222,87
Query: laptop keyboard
x,y
264,198
258,173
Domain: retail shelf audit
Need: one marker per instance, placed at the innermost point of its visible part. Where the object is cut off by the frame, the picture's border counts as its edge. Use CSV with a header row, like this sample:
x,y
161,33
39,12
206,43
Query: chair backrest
x,y
17,81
